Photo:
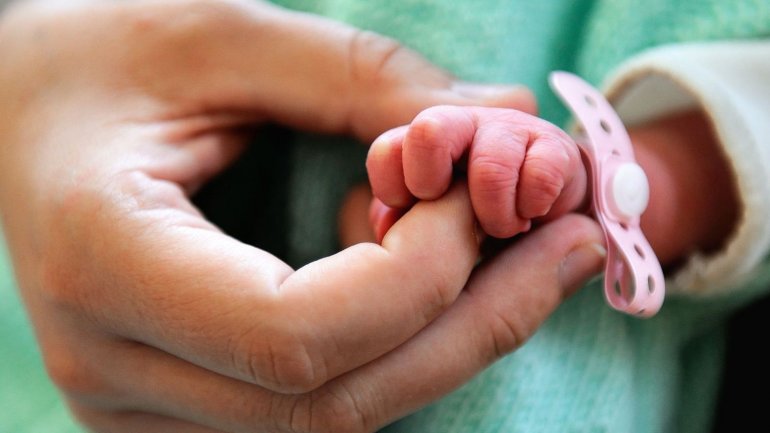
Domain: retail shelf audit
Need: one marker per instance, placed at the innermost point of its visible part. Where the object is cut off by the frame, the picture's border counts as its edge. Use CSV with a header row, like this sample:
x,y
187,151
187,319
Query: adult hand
x,y
152,320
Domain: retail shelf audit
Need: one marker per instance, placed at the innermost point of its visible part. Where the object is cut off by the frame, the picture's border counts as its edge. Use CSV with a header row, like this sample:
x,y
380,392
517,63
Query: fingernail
x,y
581,264
484,91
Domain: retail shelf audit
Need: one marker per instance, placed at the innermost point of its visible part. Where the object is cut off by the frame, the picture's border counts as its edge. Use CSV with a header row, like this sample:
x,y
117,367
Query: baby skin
x,y
522,169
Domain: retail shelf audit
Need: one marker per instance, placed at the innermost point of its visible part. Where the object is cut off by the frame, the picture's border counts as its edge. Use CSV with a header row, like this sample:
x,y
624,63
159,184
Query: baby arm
x,y
694,203
519,167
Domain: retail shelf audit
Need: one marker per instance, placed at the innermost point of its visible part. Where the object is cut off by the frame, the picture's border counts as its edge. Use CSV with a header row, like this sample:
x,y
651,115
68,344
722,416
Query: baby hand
x,y
519,167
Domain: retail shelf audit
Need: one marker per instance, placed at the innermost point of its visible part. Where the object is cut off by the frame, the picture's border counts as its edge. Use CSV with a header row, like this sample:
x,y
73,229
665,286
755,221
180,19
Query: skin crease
x,y
148,317
693,201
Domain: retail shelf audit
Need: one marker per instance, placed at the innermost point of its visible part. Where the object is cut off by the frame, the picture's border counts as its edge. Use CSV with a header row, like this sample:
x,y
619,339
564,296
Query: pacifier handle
x,y
633,278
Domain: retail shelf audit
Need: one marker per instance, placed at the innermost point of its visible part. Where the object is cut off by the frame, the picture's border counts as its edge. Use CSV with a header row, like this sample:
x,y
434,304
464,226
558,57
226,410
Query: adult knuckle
x,y
334,410
370,55
441,291
293,369
374,58
507,331
281,362
381,72
506,334
436,286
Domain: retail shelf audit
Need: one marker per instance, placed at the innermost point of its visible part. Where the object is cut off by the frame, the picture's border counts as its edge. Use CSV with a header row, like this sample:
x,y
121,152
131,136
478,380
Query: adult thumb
x,y
393,83
313,73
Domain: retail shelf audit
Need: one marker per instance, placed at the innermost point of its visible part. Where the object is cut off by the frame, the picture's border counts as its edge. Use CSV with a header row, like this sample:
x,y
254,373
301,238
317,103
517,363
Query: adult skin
x,y
151,319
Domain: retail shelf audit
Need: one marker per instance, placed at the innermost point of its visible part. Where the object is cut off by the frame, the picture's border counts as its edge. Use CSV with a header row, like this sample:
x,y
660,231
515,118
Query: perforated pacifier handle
x,y
633,279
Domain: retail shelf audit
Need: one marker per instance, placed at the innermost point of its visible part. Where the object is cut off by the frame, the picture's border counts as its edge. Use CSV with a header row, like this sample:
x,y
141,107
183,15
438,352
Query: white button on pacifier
x,y
630,191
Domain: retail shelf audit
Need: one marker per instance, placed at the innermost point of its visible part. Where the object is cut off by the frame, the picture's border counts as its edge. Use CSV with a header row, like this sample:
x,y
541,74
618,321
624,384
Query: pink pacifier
x,y
633,279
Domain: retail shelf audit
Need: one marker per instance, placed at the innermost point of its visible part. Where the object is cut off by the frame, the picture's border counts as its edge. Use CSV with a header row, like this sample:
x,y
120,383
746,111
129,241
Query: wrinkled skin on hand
x,y
149,317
